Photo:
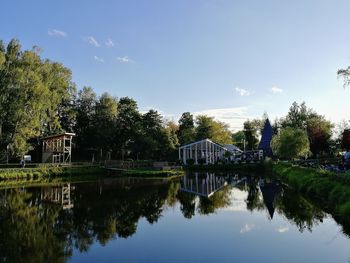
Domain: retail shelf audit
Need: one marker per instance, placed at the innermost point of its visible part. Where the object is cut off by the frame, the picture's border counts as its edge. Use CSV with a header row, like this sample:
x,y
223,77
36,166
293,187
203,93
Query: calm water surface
x,y
200,218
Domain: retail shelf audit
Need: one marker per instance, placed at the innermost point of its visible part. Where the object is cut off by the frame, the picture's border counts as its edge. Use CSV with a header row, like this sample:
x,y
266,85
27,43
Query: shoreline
x,y
330,190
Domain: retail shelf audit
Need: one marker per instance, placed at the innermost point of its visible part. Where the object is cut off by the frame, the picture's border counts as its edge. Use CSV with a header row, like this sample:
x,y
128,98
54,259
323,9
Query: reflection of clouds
x,y
247,228
238,202
282,229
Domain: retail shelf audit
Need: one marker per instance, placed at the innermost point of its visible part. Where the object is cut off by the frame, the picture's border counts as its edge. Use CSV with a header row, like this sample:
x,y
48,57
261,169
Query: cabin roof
x,y
59,135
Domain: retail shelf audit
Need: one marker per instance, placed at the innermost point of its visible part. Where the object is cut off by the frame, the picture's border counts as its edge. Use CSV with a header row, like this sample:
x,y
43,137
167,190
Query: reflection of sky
x,y
230,235
238,202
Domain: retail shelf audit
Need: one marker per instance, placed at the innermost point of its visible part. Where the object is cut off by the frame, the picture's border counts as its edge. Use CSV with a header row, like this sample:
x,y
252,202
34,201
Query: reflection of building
x,y
202,184
58,148
269,192
60,195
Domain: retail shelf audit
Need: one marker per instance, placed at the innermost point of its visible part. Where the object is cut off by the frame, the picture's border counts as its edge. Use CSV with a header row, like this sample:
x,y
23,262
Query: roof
x,y
59,135
232,148
197,142
266,136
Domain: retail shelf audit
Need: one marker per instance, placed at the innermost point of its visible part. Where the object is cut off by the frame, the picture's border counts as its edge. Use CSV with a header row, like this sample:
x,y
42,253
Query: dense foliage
x,y
38,98
290,143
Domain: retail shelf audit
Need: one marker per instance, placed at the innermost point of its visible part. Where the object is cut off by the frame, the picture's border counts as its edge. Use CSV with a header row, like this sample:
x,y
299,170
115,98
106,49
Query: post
x,y
206,152
184,158
195,155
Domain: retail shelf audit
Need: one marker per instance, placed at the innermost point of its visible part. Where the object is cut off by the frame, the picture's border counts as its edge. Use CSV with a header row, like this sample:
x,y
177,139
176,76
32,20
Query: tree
x,y
151,135
204,127
186,131
319,132
290,143
345,75
31,90
104,121
238,139
250,133
129,125
297,116
85,114
208,127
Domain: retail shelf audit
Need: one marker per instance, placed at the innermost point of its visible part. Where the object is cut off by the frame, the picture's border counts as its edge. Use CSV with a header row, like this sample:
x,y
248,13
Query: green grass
x,y
15,176
332,190
147,173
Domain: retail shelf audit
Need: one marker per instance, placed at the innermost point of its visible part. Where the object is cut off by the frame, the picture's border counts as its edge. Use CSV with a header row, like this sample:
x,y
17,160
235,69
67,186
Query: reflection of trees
x,y
254,200
290,204
205,205
298,210
187,204
26,230
218,200
31,231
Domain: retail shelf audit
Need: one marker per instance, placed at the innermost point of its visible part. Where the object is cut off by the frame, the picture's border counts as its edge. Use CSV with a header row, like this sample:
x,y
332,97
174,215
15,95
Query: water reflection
x,y
60,195
41,223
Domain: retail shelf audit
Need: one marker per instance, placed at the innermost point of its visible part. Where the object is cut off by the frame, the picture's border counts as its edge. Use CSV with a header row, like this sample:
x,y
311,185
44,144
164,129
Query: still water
x,y
199,218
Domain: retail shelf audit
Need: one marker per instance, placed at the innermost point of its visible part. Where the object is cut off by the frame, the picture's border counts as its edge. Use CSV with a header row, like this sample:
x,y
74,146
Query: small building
x,y
57,148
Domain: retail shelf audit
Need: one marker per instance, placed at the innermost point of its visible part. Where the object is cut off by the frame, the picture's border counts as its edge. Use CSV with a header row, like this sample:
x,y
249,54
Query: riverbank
x,y
146,173
45,174
331,190
58,174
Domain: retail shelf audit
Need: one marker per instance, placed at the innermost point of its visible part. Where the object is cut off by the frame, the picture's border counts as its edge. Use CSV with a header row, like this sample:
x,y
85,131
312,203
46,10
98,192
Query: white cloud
x,y
98,59
282,229
246,228
110,43
57,33
242,92
125,59
234,117
92,41
276,90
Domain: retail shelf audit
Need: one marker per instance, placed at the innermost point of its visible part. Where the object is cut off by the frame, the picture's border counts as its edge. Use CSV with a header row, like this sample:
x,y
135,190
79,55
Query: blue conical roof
x,y
266,137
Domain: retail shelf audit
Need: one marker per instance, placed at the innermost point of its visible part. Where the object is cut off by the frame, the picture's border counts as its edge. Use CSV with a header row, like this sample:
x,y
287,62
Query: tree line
x,y
38,98
301,133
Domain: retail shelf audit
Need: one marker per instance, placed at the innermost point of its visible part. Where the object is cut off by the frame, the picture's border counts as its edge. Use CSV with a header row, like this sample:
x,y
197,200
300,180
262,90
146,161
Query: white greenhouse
x,y
206,150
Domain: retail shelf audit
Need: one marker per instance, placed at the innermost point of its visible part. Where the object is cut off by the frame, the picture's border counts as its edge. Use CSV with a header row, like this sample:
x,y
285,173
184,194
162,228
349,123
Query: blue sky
x,y
229,59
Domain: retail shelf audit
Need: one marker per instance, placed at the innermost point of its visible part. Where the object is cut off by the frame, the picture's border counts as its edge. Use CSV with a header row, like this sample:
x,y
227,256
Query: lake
x,y
202,217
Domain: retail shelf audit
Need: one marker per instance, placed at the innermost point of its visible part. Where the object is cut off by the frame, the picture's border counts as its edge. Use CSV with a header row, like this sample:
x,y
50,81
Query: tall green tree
x,y
319,131
251,133
129,125
105,121
31,90
85,114
208,127
186,131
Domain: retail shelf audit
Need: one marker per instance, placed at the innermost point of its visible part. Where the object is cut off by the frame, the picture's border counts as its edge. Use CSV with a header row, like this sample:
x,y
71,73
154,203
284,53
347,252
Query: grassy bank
x,y
331,190
147,173
15,176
